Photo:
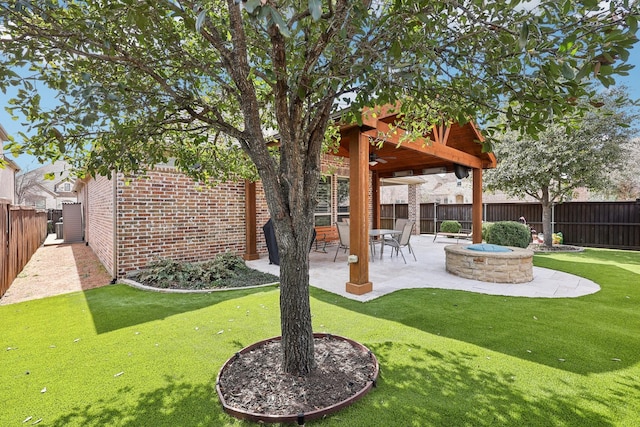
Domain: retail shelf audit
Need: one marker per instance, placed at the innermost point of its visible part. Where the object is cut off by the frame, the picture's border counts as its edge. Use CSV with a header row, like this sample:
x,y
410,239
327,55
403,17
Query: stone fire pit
x,y
490,263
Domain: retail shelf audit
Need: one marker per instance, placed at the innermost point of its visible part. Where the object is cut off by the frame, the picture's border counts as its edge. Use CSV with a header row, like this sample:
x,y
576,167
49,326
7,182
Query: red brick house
x,y
129,221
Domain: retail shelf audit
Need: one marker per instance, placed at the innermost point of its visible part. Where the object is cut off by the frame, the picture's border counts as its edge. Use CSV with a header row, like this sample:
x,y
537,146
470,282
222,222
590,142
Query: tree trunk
x,y
295,307
546,217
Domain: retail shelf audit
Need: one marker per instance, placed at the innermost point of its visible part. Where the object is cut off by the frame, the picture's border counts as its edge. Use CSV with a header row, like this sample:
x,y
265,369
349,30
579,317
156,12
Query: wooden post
x,y
251,251
375,190
359,225
476,208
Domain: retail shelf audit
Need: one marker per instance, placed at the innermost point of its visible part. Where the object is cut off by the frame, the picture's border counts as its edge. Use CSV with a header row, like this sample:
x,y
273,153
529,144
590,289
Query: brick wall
x,y
97,197
165,214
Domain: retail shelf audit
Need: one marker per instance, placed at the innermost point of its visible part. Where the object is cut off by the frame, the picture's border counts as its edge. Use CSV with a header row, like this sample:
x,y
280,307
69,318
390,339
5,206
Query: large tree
x,y
626,179
138,81
564,157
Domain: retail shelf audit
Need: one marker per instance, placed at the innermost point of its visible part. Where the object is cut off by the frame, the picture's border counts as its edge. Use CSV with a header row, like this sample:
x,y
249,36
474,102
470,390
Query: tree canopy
x,y
550,167
139,81
131,75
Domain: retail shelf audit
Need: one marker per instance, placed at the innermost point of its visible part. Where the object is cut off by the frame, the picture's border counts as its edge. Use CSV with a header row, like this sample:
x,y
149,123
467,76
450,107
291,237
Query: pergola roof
x,y
445,146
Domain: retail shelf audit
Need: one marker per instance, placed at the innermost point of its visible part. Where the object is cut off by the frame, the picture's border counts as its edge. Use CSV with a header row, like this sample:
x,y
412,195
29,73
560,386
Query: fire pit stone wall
x,y
515,266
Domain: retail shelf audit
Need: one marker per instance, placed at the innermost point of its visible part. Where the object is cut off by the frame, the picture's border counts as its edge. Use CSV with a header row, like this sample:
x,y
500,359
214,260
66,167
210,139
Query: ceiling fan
x,y
374,159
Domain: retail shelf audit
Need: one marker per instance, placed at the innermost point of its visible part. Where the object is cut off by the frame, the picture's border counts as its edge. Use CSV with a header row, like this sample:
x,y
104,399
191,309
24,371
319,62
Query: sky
x,y
27,163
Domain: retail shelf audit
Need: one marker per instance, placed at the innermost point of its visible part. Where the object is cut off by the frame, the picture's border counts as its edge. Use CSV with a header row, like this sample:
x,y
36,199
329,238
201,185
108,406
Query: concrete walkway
x,y
391,274
57,268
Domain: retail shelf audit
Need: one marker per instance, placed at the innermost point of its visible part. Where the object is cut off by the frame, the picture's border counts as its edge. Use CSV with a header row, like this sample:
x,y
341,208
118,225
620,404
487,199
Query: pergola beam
x,y
395,136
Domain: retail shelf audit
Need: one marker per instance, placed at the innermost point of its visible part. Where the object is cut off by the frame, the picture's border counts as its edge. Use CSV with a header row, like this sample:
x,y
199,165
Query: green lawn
x,y
117,356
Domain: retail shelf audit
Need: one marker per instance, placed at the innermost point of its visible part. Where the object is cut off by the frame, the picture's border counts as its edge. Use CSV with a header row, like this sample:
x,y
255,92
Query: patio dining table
x,y
381,232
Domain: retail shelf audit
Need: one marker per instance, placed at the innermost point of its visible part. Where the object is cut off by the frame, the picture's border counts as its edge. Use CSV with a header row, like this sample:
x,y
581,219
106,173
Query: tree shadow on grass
x,y
453,388
430,389
177,404
590,334
120,306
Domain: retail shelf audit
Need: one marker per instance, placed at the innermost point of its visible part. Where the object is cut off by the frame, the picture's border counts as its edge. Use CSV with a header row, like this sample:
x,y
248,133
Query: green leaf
x,y
202,16
524,36
396,49
278,21
141,20
567,71
632,22
251,5
584,70
591,4
315,8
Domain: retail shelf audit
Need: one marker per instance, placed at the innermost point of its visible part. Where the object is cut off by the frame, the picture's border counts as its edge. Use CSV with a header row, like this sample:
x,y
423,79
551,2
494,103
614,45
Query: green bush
x,y
509,233
225,270
450,227
485,229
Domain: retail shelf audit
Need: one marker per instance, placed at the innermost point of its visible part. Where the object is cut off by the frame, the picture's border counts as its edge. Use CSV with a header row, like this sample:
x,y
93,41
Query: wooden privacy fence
x,y
389,214
613,225
23,230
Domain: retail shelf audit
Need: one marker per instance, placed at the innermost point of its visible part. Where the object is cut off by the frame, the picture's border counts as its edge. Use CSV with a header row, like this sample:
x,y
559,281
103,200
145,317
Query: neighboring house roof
x,y
61,170
10,163
4,136
34,186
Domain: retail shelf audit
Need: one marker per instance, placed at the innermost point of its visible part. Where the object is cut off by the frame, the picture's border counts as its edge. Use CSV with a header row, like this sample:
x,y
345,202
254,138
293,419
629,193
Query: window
x,y
40,203
67,186
343,198
323,208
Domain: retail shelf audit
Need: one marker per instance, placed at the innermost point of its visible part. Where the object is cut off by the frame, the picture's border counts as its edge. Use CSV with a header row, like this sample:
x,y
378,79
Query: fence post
x,y
553,218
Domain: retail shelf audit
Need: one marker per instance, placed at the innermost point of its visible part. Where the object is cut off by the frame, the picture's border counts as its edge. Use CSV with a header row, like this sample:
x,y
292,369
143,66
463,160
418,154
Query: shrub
x,y
509,233
225,270
485,229
450,227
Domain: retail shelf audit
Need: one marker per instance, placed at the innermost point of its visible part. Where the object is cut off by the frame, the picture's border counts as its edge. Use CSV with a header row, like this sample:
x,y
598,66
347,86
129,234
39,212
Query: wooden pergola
x,y
446,147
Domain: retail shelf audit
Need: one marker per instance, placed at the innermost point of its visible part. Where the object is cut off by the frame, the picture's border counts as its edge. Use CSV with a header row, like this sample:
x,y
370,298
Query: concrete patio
x,y
391,274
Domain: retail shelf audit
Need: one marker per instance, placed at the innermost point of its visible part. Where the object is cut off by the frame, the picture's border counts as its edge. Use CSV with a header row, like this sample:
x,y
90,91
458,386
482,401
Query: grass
x,y
122,357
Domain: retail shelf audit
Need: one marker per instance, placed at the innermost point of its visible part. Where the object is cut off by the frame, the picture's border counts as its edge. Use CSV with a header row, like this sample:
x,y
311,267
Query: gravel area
x,y
55,270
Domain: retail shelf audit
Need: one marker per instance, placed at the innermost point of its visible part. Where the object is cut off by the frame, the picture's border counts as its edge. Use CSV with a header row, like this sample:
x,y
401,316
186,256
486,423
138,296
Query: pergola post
x,y
375,196
476,207
251,247
359,223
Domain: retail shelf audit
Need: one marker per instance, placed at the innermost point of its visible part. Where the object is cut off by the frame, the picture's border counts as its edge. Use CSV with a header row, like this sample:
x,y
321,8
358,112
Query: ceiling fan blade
x,y
380,160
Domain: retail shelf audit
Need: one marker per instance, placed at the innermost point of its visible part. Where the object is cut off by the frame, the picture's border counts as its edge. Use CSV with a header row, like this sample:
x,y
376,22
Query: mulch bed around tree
x,y
254,382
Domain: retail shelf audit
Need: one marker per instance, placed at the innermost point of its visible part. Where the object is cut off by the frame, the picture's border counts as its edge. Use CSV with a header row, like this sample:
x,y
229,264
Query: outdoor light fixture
x,y
400,174
431,171
460,171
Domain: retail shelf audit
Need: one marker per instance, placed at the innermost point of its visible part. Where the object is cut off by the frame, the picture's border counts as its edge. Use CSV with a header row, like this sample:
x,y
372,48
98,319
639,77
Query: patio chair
x,y
402,241
400,222
343,234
